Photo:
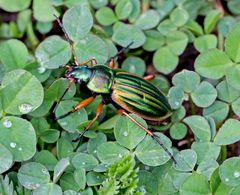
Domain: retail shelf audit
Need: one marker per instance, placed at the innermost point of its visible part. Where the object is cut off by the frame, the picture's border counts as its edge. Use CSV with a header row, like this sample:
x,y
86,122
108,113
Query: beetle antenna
x,y
68,39
120,52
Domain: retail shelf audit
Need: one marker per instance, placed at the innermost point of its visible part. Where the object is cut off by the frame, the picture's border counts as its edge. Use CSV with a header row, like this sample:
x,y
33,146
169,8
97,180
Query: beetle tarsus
x,y
80,135
63,116
120,52
156,138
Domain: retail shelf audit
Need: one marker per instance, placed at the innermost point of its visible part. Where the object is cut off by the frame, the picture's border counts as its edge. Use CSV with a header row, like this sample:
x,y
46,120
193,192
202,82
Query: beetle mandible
x,y
127,92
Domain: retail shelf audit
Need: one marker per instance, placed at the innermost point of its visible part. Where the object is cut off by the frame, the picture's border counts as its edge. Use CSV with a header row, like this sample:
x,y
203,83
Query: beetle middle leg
x,y
98,112
154,136
80,105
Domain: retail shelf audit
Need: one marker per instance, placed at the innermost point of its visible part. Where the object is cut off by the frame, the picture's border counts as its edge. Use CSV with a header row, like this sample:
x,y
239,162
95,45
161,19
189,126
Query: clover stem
x,y
220,42
192,106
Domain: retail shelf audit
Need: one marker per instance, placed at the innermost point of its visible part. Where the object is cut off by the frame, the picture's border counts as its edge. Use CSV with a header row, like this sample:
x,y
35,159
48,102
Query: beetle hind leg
x,y
149,77
153,135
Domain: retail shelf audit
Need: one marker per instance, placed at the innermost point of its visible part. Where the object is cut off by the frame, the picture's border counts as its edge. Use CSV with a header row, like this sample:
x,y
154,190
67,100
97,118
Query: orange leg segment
x,y
93,62
149,77
83,103
98,112
80,105
111,63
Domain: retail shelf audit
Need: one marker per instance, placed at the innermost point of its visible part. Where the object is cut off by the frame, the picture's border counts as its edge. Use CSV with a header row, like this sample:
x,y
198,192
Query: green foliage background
x,y
37,155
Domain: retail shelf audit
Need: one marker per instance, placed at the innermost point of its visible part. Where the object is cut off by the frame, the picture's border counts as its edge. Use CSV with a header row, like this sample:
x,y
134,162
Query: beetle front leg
x,y
98,112
93,62
154,136
66,90
80,105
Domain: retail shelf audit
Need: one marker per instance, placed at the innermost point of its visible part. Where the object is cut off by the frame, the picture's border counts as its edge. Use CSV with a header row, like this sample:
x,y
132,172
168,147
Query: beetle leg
x,y
149,77
93,62
98,112
154,136
112,60
80,105
111,63
66,90
68,40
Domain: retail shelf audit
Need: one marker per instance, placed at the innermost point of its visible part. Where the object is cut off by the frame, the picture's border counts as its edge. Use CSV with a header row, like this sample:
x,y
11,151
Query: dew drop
x,y
125,133
143,190
236,174
41,69
20,149
64,123
13,145
227,180
132,69
95,151
45,171
7,123
83,163
25,108
176,103
120,155
98,177
32,185
83,41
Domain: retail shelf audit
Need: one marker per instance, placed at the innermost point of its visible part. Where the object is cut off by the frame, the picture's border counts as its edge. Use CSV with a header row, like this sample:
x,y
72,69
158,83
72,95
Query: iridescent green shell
x,y
139,96
101,79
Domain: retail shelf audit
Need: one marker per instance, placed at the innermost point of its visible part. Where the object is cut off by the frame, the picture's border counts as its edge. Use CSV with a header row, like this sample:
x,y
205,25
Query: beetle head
x,y
78,73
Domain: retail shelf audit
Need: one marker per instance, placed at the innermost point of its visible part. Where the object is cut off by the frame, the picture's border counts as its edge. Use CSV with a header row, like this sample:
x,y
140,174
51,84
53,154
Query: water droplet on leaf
x,y
176,103
20,149
227,180
7,123
125,133
45,171
120,155
132,69
41,69
143,190
63,123
95,151
236,174
13,145
83,163
147,168
25,108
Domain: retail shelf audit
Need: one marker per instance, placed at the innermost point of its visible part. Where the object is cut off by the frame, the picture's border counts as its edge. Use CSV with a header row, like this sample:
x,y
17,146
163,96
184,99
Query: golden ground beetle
x,y
127,92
